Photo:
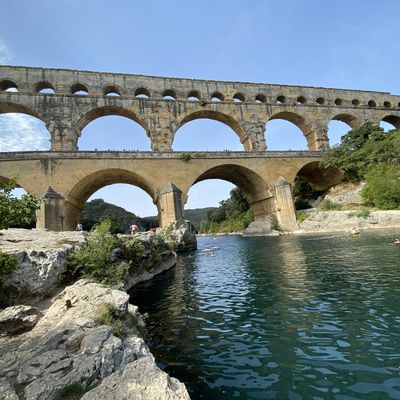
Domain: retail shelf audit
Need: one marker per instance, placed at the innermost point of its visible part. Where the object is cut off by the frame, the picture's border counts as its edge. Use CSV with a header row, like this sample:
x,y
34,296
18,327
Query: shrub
x,y
301,216
327,205
363,213
382,187
94,260
8,263
185,156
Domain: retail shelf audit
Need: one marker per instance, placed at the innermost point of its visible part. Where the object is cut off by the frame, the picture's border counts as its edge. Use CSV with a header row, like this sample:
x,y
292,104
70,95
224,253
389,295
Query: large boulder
x,y
18,319
179,235
40,259
88,333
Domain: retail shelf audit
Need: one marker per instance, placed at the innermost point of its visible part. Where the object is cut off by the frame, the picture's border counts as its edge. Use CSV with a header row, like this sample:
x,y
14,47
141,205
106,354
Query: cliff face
x,y
90,336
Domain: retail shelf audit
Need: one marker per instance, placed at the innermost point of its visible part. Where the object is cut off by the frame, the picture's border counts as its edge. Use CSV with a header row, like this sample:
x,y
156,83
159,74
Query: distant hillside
x,y
98,209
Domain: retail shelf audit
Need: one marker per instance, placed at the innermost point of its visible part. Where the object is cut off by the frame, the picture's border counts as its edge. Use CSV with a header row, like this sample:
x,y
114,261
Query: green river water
x,y
289,317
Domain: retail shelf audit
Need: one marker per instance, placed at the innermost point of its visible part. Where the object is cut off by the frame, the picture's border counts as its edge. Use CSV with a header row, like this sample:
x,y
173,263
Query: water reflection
x,y
280,318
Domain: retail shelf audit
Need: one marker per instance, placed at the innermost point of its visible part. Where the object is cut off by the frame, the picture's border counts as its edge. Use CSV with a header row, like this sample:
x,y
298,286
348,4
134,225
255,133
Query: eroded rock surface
x,y
18,319
40,259
180,235
67,347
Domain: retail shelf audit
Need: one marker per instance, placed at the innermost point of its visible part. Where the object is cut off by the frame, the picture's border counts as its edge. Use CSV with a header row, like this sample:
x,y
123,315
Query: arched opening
x,y
390,122
80,89
142,93
194,95
311,183
45,88
339,126
169,94
238,97
113,128
114,133
281,99
210,198
208,131
320,101
287,131
21,130
120,188
260,98
111,91
124,204
8,86
217,96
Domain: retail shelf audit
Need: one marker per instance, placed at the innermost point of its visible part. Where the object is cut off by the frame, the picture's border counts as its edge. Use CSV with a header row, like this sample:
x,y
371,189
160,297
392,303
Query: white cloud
x,y
20,132
5,55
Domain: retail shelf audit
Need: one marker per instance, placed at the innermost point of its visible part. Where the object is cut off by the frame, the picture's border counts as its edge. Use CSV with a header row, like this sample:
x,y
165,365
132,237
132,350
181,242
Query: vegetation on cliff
x,y
233,215
372,155
16,212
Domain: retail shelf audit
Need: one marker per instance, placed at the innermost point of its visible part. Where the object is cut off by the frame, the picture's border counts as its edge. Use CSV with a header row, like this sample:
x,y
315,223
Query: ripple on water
x,y
280,318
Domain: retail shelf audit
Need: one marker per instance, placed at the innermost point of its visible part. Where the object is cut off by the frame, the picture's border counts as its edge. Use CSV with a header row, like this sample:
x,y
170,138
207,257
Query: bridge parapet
x,y
162,105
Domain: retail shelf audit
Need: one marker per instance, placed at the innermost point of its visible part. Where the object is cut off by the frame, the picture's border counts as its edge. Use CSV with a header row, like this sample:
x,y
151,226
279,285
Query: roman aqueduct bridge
x,y
66,101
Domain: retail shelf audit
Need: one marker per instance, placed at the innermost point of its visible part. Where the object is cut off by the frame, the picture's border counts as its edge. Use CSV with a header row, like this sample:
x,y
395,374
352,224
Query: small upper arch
x,y
217,96
260,98
169,94
111,90
45,88
142,93
79,88
239,97
194,95
8,86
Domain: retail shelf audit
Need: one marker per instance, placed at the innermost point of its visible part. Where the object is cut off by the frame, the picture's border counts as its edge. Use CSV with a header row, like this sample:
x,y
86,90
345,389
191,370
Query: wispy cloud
x,y
5,54
20,132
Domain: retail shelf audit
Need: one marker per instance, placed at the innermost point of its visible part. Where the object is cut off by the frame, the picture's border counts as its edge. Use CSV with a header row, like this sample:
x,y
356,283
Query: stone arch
x,y
318,177
296,119
351,120
393,120
8,107
95,113
44,85
7,84
252,184
217,116
82,190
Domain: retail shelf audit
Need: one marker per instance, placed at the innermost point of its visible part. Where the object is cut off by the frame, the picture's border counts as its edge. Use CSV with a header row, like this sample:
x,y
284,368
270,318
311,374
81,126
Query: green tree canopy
x,y
361,149
14,211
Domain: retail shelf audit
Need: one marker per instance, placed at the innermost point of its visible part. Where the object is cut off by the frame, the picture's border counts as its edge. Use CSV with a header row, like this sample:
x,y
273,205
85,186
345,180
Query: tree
x,y
382,187
361,148
14,211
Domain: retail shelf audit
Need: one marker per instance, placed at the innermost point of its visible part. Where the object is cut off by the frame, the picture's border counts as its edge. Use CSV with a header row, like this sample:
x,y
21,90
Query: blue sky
x,y
345,44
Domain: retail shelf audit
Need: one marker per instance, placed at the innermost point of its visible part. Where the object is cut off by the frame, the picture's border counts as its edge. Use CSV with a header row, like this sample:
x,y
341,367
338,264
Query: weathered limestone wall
x,y
81,96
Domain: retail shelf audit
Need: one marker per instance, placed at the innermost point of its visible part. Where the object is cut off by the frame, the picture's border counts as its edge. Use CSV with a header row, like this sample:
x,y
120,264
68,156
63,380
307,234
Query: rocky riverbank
x,y
86,339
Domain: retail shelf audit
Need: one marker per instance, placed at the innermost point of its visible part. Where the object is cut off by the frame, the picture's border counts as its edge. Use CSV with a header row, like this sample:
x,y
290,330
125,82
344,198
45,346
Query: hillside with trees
x,y
371,155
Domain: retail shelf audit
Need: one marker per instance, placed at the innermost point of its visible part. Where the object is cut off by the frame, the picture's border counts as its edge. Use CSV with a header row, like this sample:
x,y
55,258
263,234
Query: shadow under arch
x,y
107,111
318,177
88,185
349,119
221,117
297,120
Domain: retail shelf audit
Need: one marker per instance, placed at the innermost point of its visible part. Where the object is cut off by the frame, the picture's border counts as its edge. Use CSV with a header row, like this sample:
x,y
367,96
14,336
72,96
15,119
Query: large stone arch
x,y
108,110
10,107
76,198
306,128
317,176
351,120
217,116
252,184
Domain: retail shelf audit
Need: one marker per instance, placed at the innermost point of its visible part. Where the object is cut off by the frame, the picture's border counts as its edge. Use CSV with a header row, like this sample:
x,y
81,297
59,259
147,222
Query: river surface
x,y
289,317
